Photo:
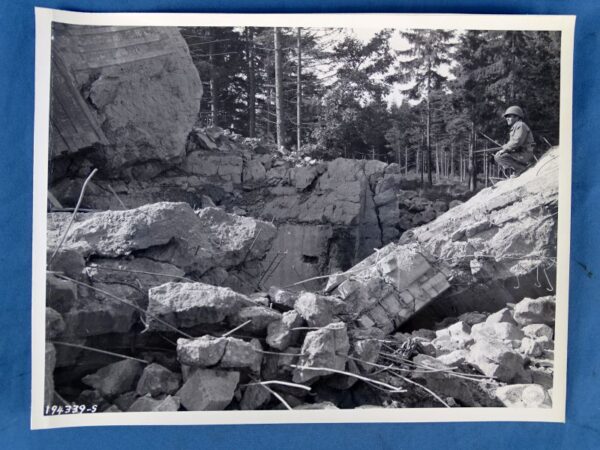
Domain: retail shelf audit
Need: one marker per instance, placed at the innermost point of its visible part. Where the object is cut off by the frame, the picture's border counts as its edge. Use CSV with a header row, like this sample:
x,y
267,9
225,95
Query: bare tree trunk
x,y
269,99
251,83
279,89
406,160
437,163
213,82
472,161
429,163
299,91
452,161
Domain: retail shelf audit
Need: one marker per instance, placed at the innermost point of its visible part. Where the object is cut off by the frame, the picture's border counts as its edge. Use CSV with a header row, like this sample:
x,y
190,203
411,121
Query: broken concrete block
x,y
283,298
208,390
279,333
538,330
49,365
185,305
504,315
366,350
318,310
254,397
157,380
55,324
529,347
326,347
143,404
260,317
455,358
115,378
540,310
204,351
240,354
459,329
500,331
61,294
495,360
524,396
124,401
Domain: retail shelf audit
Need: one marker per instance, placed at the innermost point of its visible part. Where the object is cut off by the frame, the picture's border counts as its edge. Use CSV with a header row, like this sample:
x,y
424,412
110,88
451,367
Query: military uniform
x,y
517,153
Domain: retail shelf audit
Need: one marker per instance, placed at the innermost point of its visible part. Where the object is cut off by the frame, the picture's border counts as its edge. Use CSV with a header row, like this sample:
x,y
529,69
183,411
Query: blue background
x,y
582,429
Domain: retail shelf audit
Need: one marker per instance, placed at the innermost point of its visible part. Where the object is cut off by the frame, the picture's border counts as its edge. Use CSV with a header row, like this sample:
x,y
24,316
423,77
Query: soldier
x,y
517,153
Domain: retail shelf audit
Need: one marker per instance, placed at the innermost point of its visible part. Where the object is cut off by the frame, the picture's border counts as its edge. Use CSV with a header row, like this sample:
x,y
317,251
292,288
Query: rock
x,y
318,310
116,378
253,172
157,380
495,360
208,390
92,397
55,324
303,177
281,297
455,358
459,329
326,347
538,330
260,317
61,294
542,376
185,305
254,397
49,365
471,318
447,344
501,331
536,311
530,347
143,404
97,313
68,262
524,396
279,333
124,401
112,409
366,350
424,333
502,316
240,354
204,351
454,203
116,120
445,385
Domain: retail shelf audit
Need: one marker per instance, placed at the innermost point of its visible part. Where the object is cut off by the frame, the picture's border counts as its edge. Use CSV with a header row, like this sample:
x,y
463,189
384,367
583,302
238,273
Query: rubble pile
x,y
176,293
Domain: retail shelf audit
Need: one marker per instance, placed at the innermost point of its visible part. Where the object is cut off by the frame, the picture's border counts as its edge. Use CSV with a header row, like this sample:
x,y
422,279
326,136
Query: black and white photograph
x,y
258,220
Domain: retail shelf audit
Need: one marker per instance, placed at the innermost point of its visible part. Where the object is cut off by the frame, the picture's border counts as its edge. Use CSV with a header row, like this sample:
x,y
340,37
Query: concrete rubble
x,y
226,273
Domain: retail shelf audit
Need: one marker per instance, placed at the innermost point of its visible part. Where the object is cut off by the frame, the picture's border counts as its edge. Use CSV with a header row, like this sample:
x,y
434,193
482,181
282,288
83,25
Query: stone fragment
x,y
240,354
448,344
204,351
538,330
124,401
536,311
320,405
147,403
500,331
318,310
115,378
49,365
326,347
530,348
280,334
459,329
208,390
455,358
495,360
502,316
471,318
61,294
254,397
260,317
157,380
366,350
55,324
185,305
524,396
283,298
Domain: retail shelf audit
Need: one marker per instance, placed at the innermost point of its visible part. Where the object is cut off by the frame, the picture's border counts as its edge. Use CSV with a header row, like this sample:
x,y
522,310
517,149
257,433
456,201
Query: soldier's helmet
x,y
515,110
